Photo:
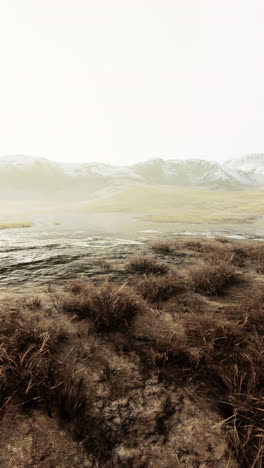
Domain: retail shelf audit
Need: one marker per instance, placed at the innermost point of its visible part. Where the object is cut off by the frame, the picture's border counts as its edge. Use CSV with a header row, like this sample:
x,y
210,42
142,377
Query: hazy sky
x,y
128,80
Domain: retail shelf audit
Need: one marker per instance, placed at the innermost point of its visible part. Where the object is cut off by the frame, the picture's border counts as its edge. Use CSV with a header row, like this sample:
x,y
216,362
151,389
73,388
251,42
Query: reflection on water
x,y
65,245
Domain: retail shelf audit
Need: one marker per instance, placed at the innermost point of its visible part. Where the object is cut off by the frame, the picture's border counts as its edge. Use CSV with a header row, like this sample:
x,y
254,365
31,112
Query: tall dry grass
x,y
147,264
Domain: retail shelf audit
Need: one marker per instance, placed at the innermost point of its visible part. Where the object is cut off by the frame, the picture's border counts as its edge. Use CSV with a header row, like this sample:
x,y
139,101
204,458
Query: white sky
x,y
122,81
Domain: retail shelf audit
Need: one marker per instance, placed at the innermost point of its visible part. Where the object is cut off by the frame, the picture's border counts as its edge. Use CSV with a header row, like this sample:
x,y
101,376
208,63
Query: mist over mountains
x,y
40,177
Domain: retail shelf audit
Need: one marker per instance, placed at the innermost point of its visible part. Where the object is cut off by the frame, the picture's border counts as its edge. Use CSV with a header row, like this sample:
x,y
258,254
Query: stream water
x,y
64,246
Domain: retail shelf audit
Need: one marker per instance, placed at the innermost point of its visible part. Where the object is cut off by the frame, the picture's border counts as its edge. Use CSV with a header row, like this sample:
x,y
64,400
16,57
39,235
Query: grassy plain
x,y
169,204
151,203
15,225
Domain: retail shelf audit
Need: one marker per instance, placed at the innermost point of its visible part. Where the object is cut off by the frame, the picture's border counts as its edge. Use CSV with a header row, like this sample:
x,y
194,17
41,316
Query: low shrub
x,y
108,306
256,255
147,264
160,288
29,345
222,239
227,253
212,279
163,247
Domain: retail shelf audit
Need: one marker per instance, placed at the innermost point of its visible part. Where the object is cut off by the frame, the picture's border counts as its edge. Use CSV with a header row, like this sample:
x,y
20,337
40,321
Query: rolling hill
x,y
40,177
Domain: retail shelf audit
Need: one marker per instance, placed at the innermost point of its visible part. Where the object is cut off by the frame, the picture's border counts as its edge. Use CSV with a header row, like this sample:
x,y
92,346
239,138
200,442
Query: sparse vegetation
x,y
227,357
212,279
147,264
163,246
161,288
256,255
222,239
114,368
108,306
228,253
29,344
215,251
197,245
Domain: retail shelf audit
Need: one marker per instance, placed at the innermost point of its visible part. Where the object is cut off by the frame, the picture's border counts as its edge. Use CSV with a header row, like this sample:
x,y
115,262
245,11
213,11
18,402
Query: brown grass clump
x,y
29,343
161,288
198,246
108,306
147,264
25,366
233,358
216,250
224,356
76,286
222,239
34,303
256,255
230,254
163,247
249,309
239,256
212,279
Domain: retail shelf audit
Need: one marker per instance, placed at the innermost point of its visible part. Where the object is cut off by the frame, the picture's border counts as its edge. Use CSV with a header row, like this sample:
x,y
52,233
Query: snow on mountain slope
x,y
250,166
241,172
108,170
73,169
199,171
188,172
247,163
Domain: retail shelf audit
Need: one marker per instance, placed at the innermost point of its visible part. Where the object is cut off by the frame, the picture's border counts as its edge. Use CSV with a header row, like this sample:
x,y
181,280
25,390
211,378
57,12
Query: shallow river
x,y
66,245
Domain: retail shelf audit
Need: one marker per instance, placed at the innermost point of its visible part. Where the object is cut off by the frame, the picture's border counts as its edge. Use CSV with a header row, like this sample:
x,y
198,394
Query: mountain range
x,y
32,176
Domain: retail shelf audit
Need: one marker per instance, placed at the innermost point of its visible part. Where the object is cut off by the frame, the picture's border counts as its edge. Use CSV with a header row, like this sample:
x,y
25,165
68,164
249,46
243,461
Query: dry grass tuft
x,y
197,245
230,254
226,357
163,247
249,309
76,286
223,240
214,251
256,255
34,303
212,279
25,366
161,288
147,264
108,306
29,345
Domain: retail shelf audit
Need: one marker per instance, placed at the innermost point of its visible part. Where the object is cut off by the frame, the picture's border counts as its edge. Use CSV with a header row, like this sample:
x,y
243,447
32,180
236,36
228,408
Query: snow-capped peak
x,y
245,171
